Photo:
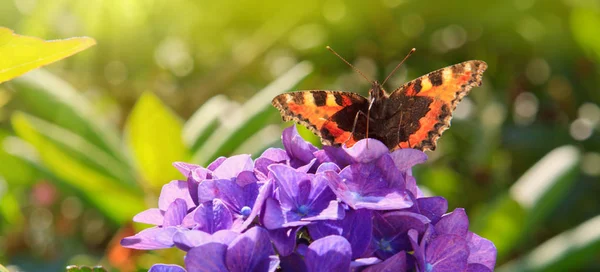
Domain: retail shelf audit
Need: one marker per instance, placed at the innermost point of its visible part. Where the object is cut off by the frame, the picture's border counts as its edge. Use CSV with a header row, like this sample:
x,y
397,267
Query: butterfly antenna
x,y
398,66
344,60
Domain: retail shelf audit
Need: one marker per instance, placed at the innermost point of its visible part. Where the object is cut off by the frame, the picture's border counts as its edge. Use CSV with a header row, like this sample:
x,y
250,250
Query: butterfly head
x,y
376,92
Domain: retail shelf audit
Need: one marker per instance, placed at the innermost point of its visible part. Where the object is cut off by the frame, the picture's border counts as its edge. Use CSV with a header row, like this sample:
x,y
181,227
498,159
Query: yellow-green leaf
x,y
154,137
20,54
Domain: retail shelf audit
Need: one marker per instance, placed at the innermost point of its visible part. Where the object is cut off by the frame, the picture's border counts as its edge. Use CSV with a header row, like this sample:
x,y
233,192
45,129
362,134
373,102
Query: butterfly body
x,y
412,116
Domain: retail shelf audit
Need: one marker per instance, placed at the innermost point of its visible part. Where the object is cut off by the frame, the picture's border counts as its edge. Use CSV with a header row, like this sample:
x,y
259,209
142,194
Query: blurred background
x,y
88,142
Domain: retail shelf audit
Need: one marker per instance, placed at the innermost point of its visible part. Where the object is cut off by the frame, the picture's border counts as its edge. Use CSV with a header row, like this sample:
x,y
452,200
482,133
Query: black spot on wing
x,y
417,87
298,98
338,99
436,78
320,98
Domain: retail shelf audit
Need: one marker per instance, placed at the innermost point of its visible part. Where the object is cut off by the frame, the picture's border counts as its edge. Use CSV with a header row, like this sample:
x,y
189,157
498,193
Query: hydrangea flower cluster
x,y
305,209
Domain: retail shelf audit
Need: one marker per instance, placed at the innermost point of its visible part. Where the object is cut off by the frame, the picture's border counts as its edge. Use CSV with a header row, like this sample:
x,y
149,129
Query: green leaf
x,y
54,100
21,54
118,202
585,24
81,150
10,210
153,134
205,120
568,251
14,170
513,216
249,118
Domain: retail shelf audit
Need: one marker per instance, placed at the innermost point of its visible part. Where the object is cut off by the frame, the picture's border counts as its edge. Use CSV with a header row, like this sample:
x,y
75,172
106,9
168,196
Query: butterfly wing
x,y
424,106
328,114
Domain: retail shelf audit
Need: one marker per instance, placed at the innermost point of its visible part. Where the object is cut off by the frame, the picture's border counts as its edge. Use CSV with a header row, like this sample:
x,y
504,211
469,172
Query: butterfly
x,y
413,116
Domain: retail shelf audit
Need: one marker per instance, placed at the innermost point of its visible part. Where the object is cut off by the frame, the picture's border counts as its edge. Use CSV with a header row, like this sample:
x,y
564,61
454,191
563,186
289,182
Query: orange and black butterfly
x,y
413,116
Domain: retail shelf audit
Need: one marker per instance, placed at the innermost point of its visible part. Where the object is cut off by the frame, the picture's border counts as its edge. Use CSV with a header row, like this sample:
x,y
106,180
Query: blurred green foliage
x,y
89,142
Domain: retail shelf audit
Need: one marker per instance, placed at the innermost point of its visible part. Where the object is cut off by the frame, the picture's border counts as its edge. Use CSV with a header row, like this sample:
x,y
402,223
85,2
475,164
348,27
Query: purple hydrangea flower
x,y
334,209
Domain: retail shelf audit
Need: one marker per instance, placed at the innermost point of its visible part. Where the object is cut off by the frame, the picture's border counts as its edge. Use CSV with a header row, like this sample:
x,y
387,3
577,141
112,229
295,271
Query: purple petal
x,y
152,216
216,163
482,251
390,232
224,236
354,265
331,253
277,155
456,223
246,178
250,251
411,186
174,190
299,150
404,221
447,253
306,168
293,263
418,249
406,158
185,168
175,213
396,263
288,180
264,192
333,211
231,193
284,239
196,177
364,153
334,155
432,207
152,238
232,166
209,257
328,166
270,156
186,240
476,267
391,201
212,216
356,227
166,268
376,185
273,217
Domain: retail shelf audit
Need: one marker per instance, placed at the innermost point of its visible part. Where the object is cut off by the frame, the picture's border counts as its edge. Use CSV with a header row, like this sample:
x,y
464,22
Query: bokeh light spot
x,y
25,6
538,71
413,25
525,108
531,29
334,10
581,129
173,54
307,36
454,36
464,109
41,218
559,88
590,164
590,112
71,207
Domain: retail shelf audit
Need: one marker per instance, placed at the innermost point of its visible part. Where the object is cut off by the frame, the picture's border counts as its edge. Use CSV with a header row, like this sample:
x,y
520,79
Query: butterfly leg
x,y
368,119
400,127
354,124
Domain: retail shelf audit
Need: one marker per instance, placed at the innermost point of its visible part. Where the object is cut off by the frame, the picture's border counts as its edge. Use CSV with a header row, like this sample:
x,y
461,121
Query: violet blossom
x,y
307,209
